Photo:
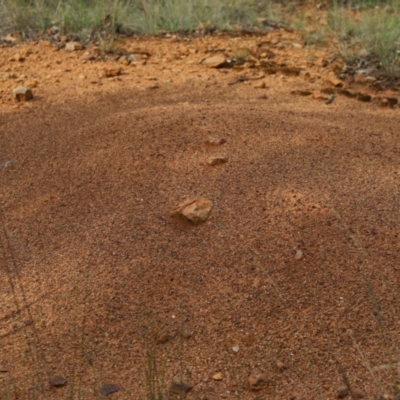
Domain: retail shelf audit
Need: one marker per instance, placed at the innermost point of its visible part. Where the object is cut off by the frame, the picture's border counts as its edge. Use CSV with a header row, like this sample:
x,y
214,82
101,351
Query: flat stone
x,y
213,141
57,381
195,210
216,160
22,93
217,61
108,389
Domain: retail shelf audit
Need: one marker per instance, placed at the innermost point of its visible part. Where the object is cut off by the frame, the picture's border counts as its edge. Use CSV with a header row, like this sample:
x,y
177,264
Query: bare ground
x,y
96,274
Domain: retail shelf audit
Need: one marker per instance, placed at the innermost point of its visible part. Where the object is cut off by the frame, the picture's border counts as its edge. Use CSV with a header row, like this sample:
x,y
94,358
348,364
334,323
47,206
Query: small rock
x,y
165,336
389,102
133,58
363,97
217,376
108,389
335,81
301,92
297,45
262,96
22,93
10,38
32,83
342,392
280,365
73,46
217,160
17,57
180,388
356,394
235,349
195,210
299,255
321,62
186,331
319,96
290,71
215,141
259,85
217,61
330,99
57,381
4,165
109,72
124,60
257,381
3,368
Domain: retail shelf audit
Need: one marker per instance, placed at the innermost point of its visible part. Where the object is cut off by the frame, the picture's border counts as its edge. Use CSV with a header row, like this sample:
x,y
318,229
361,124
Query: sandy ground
x,y
294,277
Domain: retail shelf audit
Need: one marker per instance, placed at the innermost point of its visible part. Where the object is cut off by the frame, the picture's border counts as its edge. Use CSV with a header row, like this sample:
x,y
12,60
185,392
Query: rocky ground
x,y
200,218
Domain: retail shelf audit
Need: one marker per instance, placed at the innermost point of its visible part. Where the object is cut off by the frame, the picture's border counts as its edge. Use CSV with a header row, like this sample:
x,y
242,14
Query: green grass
x,y
373,34
142,16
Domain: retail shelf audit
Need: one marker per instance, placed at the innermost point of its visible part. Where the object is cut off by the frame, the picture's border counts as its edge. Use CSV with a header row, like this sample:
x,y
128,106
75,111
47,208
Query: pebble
x,y
280,365
363,97
330,99
109,72
301,92
257,381
235,349
3,368
57,381
195,209
180,388
213,141
260,85
216,160
22,93
186,331
73,46
299,255
217,376
165,336
108,389
217,61
342,392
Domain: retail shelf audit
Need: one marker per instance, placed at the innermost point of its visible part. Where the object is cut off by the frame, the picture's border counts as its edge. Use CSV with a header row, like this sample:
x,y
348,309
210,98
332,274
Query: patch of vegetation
x,y
373,33
142,16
